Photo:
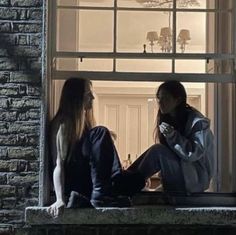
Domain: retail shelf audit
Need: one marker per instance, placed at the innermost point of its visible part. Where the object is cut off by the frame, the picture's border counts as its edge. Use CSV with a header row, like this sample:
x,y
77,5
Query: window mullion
x,y
132,76
124,55
174,35
115,34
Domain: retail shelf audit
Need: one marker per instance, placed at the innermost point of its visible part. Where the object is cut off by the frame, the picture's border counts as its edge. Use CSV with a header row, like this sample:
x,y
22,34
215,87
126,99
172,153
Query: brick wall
x,y
20,101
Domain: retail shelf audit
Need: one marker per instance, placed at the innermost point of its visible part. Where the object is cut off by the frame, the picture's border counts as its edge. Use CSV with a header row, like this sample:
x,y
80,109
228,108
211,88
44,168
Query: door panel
x,y
128,118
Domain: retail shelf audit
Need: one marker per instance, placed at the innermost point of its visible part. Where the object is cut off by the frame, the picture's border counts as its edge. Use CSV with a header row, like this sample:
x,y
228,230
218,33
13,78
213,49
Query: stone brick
x,y
24,103
21,191
25,28
28,140
7,191
27,153
11,215
8,14
13,166
35,14
27,51
33,166
9,203
9,90
27,3
6,229
3,178
3,153
23,127
32,202
8,116
36,39
7,40
35,64
4,166
3,128
3,52
25,77
33,91
25,179
8,64
4,2
3,103
22,166
32,191
22,14
8,166
5,27
4,77
29,115
8,139
22,40
19,140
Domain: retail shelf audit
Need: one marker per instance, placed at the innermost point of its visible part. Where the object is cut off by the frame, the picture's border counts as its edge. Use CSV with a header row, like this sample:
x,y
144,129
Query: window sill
x,y
149,208
135,215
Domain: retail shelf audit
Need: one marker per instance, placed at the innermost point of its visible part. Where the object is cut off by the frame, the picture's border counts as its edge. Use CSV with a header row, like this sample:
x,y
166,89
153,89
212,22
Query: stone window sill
x,y
135,215
149,208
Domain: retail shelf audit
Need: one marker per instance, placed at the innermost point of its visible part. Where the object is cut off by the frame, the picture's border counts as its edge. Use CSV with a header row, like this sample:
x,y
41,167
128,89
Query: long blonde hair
x,y
72,113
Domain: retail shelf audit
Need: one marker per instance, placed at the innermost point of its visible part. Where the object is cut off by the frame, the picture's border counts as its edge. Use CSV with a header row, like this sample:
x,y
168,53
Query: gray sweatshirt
x,y
196,151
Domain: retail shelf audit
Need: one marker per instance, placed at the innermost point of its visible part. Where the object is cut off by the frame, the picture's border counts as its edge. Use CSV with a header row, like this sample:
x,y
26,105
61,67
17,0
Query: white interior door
x,y
128,118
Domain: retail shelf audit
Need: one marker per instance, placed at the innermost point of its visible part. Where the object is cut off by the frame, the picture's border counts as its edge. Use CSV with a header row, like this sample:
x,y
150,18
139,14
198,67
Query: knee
x,y
159,148
98,133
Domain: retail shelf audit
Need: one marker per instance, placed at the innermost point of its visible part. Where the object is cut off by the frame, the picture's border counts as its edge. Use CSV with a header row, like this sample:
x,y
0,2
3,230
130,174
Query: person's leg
x,y
159,157
105,165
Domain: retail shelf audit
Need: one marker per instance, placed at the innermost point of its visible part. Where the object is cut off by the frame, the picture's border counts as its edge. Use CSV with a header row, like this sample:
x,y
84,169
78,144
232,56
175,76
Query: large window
x,y
127,47
131,39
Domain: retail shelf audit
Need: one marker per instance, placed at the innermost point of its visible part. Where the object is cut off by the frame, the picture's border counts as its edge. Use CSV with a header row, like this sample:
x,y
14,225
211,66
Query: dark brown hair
x,y
176,90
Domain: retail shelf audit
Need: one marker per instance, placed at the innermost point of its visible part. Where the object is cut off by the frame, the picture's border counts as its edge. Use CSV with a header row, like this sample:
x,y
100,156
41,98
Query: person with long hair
x,y
183,152
86,168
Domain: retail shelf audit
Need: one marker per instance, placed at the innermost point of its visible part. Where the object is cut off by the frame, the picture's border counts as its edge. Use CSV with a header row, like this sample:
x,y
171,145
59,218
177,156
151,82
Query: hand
x,y
56,208
166,129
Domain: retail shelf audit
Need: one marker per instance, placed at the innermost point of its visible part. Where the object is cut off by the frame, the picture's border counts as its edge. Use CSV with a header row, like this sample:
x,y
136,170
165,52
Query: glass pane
x,y
96,31
190,66
88,3
203,66
84,30
148,65
75,64
191,32
193,4
145,3
144,31
196,32
96,65
205,4
67,30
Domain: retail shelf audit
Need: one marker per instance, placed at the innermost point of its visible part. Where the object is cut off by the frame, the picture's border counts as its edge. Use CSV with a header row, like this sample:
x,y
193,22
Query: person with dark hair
x,y
184,155
86,168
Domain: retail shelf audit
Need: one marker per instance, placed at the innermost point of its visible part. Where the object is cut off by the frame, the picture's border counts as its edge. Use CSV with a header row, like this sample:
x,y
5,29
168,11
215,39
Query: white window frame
x,y
218,79
123,76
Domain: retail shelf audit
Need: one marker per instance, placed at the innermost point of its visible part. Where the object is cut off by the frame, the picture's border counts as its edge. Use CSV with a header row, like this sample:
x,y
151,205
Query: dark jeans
x,y
160,158
95,169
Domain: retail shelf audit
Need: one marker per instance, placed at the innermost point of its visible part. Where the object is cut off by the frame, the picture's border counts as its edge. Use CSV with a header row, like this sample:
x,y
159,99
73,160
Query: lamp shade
x,y
165,32
184,34
152,36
